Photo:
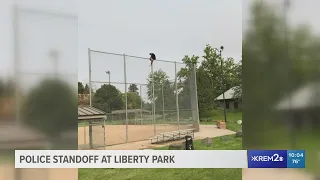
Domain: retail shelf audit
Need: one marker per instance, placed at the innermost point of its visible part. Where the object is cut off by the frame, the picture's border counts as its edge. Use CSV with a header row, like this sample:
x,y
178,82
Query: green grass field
x,y
232,118
232,143
308,141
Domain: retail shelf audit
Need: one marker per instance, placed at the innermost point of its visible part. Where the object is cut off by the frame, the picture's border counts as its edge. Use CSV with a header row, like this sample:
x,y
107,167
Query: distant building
x,y
301,108
90,113
94,117
231,101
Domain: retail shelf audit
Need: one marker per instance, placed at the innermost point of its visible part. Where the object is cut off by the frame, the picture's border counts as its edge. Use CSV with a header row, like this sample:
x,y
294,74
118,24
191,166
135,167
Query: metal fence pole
x,y
135,118
162,103
141,105
177,96
196,91
125,93
85,136
89,57
90,135
104,133
193,96
153,102
17,64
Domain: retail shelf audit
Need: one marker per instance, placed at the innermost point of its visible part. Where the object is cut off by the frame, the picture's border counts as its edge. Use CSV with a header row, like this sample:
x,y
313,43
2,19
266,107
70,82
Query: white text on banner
x,y
130,159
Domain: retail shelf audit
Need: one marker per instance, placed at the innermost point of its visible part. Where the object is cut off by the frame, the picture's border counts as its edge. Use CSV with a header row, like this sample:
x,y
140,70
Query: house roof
x,y
89,112
228,94
305,97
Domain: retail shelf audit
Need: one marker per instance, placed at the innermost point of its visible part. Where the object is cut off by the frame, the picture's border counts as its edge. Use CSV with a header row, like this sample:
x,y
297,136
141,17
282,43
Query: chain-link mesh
x,y
83,135
41,90
140,100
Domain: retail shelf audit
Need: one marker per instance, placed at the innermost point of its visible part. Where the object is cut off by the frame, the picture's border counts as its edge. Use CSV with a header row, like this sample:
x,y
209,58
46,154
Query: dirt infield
x,y
116,134
205,131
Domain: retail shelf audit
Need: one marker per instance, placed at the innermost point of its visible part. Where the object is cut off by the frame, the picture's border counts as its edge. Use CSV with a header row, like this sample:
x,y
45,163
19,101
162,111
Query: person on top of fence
x,y
152,58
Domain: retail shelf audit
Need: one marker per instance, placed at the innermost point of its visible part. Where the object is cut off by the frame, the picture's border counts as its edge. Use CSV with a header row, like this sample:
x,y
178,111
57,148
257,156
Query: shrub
x,y
51,107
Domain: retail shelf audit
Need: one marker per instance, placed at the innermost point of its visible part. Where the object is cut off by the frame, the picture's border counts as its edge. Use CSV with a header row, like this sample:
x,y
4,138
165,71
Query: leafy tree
x,y
147,106
238,81
163,91
134,100
186,78
133,88
190,63
80,88
210,83
2,88
86,89
7,87
278,59
50,107
107,98
205,92
10,87
265,66
165,96
222,76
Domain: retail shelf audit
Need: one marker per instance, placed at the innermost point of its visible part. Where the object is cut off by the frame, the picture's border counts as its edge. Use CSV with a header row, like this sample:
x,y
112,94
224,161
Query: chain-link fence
x,y
92,134
141,100
44,78
39,96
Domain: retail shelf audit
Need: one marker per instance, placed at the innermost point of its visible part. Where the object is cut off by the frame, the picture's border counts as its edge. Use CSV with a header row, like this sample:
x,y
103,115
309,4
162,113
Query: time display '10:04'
x,y
295,155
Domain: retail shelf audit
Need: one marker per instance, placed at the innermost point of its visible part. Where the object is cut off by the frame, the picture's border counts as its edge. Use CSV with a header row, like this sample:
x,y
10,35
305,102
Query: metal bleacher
x,y
172,136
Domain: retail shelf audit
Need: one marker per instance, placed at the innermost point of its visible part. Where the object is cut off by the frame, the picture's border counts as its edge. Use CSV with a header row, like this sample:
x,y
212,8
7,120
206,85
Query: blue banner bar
x,y
296,159
267,159
276,159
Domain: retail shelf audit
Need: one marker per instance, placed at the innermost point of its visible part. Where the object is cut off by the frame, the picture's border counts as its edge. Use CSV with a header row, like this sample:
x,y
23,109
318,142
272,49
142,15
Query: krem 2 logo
x,y
274,158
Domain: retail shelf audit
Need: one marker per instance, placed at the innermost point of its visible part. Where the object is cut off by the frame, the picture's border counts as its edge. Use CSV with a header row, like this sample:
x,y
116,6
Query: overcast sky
x,y
170,29
43,27
300,12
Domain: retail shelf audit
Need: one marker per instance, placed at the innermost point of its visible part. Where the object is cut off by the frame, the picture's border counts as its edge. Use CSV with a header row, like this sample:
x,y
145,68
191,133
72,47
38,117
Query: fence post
x,y
141,105
153,103
196,91
17,65
194,98
125,93
85,136
89,59
90,134
164,119
177,96
135,118
104,132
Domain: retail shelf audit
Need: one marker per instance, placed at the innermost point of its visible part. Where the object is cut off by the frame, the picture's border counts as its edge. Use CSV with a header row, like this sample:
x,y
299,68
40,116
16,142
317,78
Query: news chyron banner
x,y
159,159
276,158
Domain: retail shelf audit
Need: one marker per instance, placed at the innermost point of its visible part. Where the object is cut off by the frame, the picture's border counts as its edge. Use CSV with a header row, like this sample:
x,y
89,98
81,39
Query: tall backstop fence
x,y
140,100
